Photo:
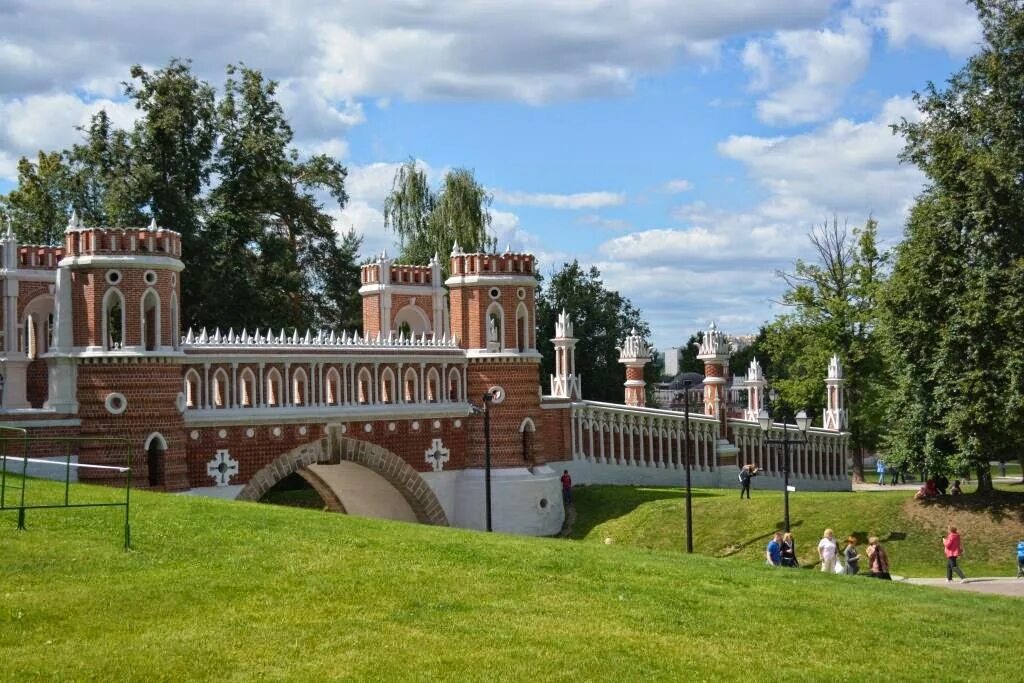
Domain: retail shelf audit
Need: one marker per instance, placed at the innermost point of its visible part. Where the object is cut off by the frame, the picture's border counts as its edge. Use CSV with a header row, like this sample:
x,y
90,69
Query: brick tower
x,y
402,299
117,339
834,417
714,351
635,354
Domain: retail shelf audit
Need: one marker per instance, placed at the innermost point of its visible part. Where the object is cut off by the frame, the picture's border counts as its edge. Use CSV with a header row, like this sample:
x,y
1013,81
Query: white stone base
x,y
522,502
585,472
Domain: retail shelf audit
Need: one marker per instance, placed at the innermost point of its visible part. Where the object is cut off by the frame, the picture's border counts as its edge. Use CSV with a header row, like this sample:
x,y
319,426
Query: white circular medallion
x,y
222,434
194,434
367,427
276,431
115,403
437,424
113,277
250,432
149,277
458,423
303,430
415,425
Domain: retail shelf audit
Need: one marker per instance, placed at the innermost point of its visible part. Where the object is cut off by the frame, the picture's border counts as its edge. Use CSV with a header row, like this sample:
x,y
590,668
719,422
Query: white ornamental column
x,y
565,383
755,384
835,417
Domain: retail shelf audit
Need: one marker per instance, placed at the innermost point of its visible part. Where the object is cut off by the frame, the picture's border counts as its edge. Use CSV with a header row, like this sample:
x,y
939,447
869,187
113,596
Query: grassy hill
x,y
725,526
234,591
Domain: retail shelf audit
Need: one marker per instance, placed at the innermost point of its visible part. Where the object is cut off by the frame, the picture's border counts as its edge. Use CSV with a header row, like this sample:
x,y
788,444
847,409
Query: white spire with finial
x,y
152,224
456,249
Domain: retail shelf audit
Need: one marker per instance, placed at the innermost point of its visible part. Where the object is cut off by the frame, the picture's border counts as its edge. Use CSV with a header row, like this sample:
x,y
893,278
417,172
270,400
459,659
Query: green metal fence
x,y
16,447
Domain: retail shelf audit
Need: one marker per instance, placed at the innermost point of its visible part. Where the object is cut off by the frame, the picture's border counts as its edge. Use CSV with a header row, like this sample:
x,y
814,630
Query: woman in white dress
x,y
828,551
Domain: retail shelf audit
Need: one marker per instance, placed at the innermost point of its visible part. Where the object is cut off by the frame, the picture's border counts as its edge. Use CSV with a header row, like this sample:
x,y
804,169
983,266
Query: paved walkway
x,y
871,483
999,585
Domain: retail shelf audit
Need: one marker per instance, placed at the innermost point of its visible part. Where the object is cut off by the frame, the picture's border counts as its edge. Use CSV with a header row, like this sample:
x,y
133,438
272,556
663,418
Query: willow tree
x,y
430,222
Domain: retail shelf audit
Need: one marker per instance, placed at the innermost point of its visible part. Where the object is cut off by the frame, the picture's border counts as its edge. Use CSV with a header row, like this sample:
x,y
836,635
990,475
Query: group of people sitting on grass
x,y
781,552
938,486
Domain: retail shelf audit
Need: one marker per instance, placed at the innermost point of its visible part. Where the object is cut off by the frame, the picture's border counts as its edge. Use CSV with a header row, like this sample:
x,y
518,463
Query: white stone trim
x,y
353,413
126,261
28,424
495,279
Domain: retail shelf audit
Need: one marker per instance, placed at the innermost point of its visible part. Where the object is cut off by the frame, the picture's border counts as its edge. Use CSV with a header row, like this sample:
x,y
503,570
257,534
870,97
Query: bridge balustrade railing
x,y
822,456
629,436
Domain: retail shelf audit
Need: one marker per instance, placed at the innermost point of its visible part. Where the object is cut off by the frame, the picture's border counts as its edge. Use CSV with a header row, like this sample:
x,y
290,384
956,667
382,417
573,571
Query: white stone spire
x,y
565,383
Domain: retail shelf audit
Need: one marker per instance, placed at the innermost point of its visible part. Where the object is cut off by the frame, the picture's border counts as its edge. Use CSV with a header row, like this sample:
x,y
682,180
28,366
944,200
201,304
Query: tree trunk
x,y
858,465
985,478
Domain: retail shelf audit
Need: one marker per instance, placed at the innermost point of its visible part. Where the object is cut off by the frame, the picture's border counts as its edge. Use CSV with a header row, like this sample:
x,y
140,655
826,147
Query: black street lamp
x,y
493,395
687,380
802,424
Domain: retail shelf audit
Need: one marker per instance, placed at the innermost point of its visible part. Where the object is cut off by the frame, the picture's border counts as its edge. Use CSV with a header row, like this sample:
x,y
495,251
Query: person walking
x,y
747,472
953,548
566,488
878,560
851,555
880,468
773,553
788,550
827,551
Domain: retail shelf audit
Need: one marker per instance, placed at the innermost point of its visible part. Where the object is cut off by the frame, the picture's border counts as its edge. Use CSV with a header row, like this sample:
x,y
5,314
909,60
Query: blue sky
x,y
684,148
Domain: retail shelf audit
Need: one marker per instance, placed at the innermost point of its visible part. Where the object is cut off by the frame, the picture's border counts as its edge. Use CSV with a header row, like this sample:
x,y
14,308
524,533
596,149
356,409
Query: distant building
x,y
672,361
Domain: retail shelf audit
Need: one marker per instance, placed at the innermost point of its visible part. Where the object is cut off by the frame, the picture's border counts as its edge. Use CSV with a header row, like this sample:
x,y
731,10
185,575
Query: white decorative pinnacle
x,y
835,370
152,224
754,373
75,221
563,326
456,249
634,348
8,229
714,346
311,339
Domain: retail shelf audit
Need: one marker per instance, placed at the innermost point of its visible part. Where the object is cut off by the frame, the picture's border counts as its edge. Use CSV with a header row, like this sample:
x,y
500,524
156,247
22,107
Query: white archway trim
x,y
161,442
414,316
527,425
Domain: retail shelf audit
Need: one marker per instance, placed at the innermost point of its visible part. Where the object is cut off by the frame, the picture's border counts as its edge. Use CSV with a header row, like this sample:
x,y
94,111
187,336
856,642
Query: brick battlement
x,y
38,257
398,275
492,264
82,241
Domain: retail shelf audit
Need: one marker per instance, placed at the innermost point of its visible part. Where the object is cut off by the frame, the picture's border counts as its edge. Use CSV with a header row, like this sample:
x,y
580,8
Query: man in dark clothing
x,y
746,473
942,484
566,487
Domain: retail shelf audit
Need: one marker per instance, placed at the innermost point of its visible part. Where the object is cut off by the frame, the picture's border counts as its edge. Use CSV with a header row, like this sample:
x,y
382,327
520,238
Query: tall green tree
x,y
430,222
602,318
40,205
834,303
957,345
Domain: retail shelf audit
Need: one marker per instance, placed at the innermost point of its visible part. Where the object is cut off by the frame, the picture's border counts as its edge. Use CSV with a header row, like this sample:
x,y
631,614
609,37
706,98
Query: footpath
x,y
999,585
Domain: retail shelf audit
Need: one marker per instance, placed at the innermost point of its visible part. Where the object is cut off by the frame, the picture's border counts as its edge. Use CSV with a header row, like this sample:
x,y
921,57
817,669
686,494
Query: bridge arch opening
x,y
355,477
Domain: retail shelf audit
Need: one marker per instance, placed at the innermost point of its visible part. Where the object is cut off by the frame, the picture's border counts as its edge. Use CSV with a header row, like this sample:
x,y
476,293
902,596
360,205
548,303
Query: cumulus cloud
x,y
950,25
803,74
676,186
579,200
722,260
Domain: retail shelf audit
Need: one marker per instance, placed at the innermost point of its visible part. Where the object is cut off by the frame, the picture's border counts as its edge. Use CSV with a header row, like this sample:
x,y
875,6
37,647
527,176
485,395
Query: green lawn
x,y
237,591
725,526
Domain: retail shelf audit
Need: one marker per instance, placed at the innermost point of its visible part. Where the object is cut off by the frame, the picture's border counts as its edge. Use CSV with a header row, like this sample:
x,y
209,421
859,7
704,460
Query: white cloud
x,y
579,200
606,223
676,186
721,261
804,74
47,122
950,25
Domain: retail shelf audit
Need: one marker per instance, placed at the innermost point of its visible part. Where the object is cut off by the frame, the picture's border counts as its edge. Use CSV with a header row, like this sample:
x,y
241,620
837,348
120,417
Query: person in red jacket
x,y
953,551
566,488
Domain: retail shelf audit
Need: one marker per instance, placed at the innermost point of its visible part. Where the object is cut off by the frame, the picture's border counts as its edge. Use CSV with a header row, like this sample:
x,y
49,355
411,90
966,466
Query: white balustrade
x,y
823,456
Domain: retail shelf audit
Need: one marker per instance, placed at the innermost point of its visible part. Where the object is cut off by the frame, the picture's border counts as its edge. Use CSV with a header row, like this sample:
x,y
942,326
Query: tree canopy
x,y
258,242
429,222
600,317
953,311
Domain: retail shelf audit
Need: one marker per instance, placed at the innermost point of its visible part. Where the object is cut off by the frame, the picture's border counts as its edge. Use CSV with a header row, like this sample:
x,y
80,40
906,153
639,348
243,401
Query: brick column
x,y
635,354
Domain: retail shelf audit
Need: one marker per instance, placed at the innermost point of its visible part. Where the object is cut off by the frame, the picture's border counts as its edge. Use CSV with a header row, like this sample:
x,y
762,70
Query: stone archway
x,y
336,448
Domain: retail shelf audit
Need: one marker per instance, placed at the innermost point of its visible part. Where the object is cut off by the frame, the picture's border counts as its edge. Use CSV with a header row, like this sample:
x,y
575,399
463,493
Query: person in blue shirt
x,y
880,468
773,554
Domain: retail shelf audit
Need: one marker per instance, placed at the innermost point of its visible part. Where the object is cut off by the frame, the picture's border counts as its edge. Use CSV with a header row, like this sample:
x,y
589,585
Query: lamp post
x,y
487,456
687,380
764,419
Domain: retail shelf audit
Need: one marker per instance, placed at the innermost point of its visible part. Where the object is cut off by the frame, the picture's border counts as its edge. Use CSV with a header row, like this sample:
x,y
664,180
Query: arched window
x,y
433,386
192,398
522,328
113,319
387,386
220,390
300,387
527,431
156,448
333,387
454,385
273,388
411,318
150,308
246,387
411,386
495,320
37,326
175,332
365,387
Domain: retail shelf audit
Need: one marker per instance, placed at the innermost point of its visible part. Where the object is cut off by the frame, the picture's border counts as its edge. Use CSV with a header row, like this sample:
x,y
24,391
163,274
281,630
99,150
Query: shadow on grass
x,y
763,538
596,505
998,505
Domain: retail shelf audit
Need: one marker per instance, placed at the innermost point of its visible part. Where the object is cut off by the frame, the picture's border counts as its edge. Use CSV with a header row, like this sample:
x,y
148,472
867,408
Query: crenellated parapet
x,y
476,264
402,298
80,240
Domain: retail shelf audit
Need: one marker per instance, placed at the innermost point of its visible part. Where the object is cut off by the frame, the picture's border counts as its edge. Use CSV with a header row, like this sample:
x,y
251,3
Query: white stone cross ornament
x,y
437,455
222,467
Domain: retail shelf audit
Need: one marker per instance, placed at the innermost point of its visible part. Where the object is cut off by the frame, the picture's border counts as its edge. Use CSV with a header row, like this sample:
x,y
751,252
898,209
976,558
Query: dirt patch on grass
x,y
997,515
